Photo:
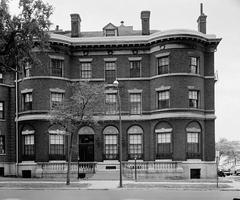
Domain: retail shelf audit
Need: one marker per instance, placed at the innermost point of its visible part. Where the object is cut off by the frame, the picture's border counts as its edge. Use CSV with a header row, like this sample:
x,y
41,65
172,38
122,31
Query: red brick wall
x,y
179,63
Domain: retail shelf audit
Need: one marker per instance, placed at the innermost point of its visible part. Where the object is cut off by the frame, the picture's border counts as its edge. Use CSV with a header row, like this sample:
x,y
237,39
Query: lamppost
x,y
116,84
217,160
17,38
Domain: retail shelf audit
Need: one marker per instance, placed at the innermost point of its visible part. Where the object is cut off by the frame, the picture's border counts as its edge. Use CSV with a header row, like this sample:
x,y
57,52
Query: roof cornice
x,y
139,40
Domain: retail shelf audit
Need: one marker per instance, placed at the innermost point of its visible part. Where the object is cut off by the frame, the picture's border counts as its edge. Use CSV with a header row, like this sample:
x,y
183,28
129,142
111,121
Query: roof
x,y
97,38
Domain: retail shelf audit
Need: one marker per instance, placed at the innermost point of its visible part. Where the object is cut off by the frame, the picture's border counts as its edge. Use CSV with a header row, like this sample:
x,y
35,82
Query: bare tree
x,y
87,101
228,149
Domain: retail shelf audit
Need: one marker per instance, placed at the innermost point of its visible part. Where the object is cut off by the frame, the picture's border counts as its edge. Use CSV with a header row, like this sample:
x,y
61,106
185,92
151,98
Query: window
x,y
135,103
28,143
163,65
135,68
2,144
56,143
110,32
57,67
163,133
163,100
193,99
56,146
1,77
1,110
111,104
110,143
27,101
110,72
56,98
135,134
27,69
86,70
193,140
194,65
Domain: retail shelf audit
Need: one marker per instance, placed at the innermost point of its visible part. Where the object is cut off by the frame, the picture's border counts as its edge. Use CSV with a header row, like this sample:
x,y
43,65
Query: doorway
x,y
86,148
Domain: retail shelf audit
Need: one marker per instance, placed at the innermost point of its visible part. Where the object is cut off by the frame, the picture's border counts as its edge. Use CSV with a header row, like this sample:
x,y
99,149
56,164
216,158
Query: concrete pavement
x,y
114,184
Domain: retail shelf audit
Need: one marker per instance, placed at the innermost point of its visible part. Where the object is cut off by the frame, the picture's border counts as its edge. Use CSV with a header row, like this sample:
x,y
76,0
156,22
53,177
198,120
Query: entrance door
x,y
86,148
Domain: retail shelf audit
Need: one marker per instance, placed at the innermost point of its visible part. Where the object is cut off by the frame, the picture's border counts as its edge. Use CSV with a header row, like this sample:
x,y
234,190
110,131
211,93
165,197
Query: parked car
x,y
221,173
237,171
227,172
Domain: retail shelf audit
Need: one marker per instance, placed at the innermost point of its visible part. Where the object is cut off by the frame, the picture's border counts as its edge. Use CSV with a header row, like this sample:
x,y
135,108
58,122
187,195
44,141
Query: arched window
x,y
110,134
28,143
193,140
86,130
163,132
135,134
56,142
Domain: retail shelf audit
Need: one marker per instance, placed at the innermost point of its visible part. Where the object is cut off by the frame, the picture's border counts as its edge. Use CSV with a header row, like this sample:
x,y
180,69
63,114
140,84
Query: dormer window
x,y
110,30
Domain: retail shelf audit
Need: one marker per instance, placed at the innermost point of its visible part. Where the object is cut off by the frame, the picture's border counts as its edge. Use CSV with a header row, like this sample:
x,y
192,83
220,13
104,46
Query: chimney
x,y
75,25
202,21
145,16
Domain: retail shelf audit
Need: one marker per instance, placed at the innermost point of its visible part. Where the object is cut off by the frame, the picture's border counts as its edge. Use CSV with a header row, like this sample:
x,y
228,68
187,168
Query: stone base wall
x,y
183,170
9,168
208,170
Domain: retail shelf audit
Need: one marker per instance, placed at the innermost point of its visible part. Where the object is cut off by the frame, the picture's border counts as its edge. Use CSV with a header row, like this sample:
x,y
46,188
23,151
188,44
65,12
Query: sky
x,y
222,20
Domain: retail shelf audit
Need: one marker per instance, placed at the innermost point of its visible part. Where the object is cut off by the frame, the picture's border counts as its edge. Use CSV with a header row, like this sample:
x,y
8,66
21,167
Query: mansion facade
x,y
166,86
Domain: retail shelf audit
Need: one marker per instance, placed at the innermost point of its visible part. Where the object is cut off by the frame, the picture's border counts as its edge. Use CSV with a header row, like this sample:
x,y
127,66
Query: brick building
x,y
166,83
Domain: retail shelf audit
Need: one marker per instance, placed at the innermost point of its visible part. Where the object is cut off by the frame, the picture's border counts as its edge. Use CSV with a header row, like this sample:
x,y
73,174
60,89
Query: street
x,y
150,194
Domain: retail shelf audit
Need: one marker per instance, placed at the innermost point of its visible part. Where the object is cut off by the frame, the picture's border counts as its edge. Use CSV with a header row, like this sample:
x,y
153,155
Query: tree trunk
x,y
70,145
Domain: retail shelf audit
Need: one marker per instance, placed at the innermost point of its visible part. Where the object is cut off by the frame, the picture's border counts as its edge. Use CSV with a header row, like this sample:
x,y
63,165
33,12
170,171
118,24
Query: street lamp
x,y
116,84
217,160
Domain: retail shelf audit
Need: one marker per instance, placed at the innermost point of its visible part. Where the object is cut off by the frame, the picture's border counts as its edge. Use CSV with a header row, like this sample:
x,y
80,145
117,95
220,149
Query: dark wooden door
x,y
86,148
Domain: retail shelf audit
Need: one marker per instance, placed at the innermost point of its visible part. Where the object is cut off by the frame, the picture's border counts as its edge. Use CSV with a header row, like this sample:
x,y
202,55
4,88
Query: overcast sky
x,y
222,20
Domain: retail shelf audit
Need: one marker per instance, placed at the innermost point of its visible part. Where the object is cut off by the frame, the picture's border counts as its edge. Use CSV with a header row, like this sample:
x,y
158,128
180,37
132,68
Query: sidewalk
x,y
55,184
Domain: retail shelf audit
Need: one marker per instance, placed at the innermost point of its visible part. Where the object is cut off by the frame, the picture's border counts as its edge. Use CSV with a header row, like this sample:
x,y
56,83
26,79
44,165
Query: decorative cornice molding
x,y
57,90
136,39
135,90
134,58
56,57
26,91
120,79
85,59
162,54
110,59
161,88
110,91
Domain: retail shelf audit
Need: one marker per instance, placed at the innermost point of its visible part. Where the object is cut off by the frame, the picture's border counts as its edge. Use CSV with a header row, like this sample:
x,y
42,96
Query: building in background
x,y
166,83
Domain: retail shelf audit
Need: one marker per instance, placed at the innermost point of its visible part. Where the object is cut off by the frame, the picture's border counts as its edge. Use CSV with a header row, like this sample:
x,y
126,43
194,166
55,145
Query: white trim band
x,y
135,91
162,88
135,58
110,59
26,91
57,90
189,115
85,59
162,54
56,57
